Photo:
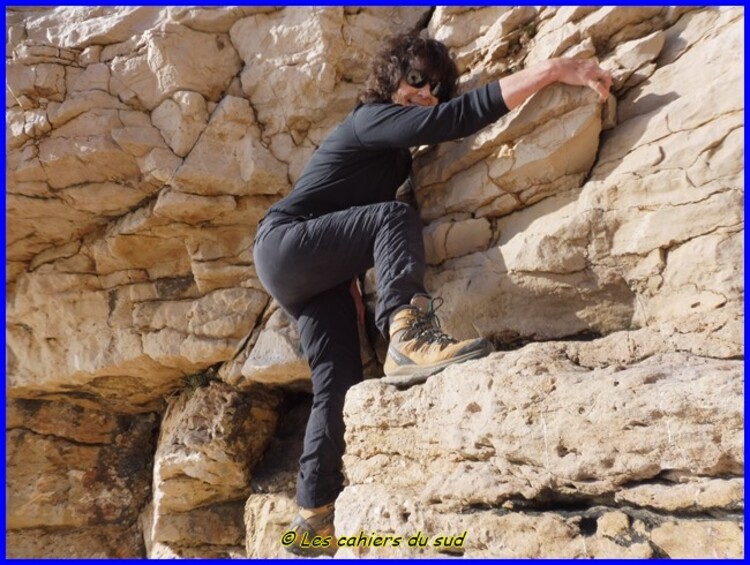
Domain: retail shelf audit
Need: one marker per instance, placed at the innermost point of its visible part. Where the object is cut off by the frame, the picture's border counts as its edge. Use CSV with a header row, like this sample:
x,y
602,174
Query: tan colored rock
x,y
613,524
700,291
83,151
121,49
700,494
76,27
653,191
365,510
221,273
462,177
713,334
220,256
159,166
106,198
29,233
709,539
634,55
38,222
203,332
609,113
28,171
80,103
14,32
80,474
557,33
267,517
480,37
276,357
531,283
131,219
20,84
229,159
271,507
165,551
192,208
445,240
162,255
218,314
210,440
216,524
93,77
295,56
614,25
65,421
520,437
181,119
138,140
36,123
102,542
90,55
63,491
660,420
161,550
213,19
149,340
39,82
168,64
548,153
14,128
273,356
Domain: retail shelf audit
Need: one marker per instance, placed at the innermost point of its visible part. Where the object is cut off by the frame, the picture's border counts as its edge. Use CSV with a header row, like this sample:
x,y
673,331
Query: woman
x,y
341,219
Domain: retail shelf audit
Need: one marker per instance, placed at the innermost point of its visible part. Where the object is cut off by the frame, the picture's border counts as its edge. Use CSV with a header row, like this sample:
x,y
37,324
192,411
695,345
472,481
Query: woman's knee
x,y
403,214
400,208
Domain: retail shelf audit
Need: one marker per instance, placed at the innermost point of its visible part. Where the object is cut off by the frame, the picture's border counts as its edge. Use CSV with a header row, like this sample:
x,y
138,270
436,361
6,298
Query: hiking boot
x,y
314,535
419,348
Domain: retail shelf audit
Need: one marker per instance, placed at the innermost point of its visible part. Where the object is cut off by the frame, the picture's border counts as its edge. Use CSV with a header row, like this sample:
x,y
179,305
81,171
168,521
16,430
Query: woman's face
x,y
407,95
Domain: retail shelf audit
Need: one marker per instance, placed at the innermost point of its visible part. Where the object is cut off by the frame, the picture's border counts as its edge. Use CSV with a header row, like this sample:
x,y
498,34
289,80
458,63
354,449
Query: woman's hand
x,y
518,87
583,72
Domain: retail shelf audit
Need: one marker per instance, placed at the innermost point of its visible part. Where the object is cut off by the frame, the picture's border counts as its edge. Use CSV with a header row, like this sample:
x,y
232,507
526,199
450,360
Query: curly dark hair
x,y
405,51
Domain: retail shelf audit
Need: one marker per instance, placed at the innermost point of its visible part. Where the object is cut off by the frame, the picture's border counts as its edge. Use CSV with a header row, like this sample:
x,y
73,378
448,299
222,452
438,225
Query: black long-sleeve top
x,y
366,158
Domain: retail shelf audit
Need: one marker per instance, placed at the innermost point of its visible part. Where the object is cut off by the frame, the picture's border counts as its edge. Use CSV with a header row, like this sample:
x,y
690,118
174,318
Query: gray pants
x,y
307,265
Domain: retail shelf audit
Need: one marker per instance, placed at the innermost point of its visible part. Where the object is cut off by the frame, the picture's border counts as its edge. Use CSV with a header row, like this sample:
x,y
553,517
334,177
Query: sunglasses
x,y
416,79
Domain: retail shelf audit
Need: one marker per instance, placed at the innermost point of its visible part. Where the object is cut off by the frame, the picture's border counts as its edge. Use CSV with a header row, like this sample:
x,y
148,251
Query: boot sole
x,y
407,375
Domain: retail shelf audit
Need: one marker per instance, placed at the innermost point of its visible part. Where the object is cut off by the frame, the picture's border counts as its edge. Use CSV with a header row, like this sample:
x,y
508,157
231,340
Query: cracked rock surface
x,y
530,440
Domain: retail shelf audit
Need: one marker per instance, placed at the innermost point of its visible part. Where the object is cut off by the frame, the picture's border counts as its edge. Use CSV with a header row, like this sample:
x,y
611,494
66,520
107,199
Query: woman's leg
x,y
298,261
328,332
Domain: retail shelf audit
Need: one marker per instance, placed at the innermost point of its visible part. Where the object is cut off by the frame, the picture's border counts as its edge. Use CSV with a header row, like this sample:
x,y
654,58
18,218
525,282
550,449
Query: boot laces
x,y
426,327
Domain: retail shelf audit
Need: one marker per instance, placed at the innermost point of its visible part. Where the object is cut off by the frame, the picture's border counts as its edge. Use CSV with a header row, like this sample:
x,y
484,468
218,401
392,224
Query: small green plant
x,y
197,380
530,29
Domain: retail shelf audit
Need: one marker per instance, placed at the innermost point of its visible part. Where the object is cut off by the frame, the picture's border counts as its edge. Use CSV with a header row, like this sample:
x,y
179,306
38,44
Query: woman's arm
x,y
394,125
516,88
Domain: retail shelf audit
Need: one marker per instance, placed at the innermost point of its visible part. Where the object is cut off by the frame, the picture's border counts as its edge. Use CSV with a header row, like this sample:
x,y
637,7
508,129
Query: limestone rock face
x,y
246,167
164,66
277,355
483,447
303,68
144,145
617,252
274,356
133,342
210,439
271,507
76,480
181,119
